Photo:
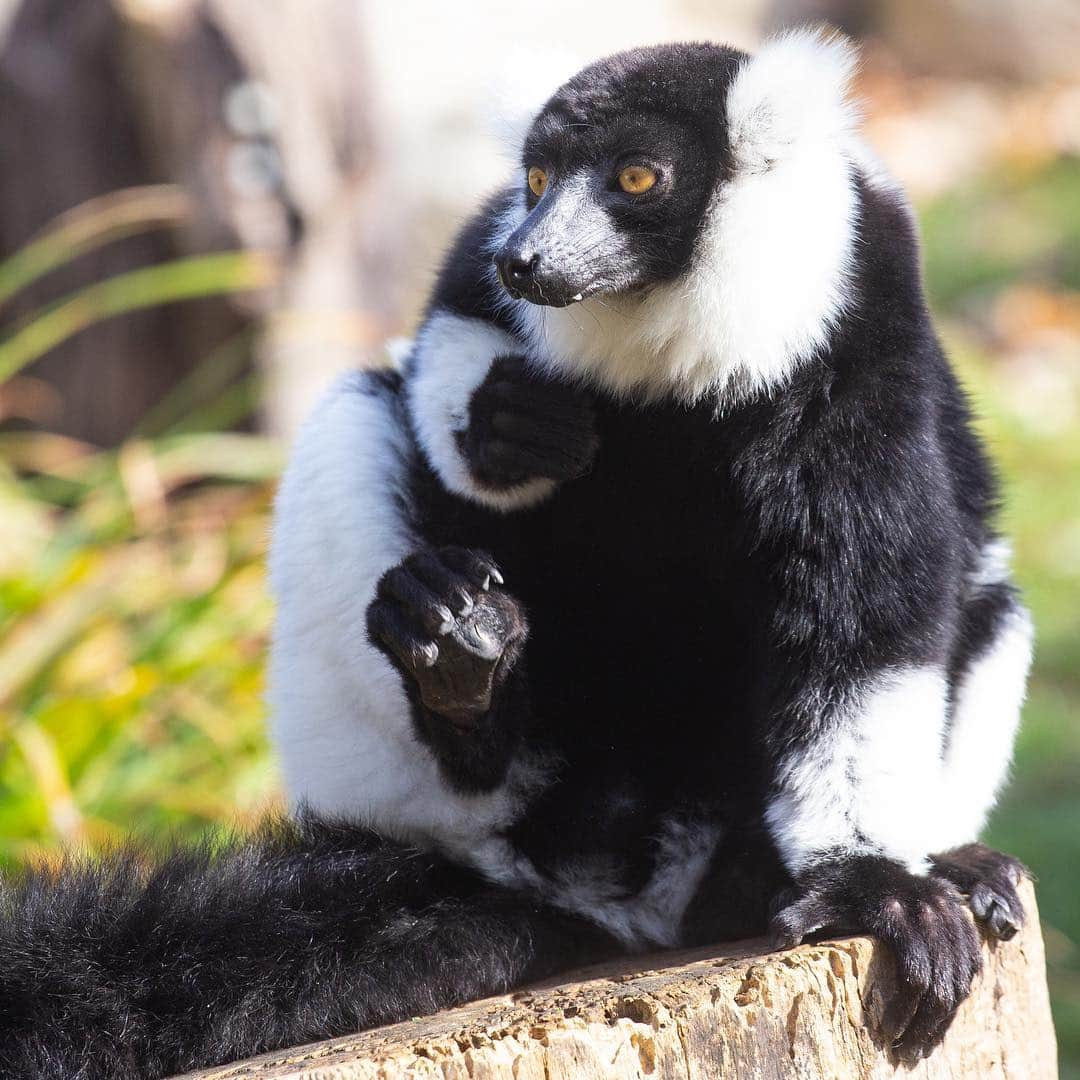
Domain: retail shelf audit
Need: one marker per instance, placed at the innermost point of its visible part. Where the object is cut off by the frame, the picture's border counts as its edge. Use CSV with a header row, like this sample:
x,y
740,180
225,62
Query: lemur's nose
x,y
516,270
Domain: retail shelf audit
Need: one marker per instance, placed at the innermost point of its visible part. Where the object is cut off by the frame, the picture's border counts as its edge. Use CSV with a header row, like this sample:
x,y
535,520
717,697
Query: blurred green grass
x,y
1003,271
134,615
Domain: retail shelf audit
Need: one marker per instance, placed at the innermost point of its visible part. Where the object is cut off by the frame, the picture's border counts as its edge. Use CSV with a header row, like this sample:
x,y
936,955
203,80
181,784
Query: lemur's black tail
x,y
138,967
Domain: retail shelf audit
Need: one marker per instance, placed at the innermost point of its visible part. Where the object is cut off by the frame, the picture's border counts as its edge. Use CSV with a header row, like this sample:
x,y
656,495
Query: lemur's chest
x,y
655,506
631,566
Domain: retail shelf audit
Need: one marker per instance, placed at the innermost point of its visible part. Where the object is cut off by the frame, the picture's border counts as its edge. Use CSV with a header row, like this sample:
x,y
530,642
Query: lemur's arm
x,y
859,550
499,436
495,432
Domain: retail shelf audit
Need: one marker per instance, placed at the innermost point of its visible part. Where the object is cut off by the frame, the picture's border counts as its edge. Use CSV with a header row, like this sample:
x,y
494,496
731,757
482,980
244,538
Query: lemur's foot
x,y
523,426
445,621
989,878
922,919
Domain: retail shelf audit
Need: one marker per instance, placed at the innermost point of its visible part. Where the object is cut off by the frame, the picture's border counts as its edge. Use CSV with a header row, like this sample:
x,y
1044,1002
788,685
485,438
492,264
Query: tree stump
x,y
731,1011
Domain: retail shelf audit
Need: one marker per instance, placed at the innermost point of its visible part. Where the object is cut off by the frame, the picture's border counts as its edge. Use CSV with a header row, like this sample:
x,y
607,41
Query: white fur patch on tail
x,y
591,887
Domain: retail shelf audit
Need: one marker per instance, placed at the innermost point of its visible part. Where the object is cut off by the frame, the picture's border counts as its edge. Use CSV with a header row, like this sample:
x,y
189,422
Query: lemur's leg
x,y
990,675
457,635
850,815
987,697
888,779
134,966
854,718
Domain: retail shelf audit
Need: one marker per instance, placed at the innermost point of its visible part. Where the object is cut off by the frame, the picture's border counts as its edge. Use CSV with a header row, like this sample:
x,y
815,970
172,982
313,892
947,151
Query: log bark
x,y
732,1011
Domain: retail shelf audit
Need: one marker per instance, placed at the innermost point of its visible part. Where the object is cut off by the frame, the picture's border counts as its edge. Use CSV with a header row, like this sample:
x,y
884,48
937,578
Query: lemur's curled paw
x,y
445,621
523,426
990,880
924,921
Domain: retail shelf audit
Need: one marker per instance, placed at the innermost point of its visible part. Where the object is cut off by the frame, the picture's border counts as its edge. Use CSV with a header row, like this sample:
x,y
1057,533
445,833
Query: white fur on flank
x,y
452,357
993,565
852,791
592,888
771,274
986,714
339,714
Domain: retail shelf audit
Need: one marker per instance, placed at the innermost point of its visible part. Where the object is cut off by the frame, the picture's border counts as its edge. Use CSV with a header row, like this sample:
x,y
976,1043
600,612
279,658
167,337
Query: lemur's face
x,y
617,174
705,200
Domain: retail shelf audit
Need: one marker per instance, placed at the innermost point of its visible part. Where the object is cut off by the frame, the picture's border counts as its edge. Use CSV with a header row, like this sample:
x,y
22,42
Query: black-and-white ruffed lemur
x,y
656,600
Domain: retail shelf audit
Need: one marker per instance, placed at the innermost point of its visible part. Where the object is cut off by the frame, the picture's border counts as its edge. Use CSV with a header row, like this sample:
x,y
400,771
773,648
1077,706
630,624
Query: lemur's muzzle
x,y
526,275
556,255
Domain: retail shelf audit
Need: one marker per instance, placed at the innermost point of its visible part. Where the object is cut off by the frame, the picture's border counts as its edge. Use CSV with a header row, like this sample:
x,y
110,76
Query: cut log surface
x,y
732,1011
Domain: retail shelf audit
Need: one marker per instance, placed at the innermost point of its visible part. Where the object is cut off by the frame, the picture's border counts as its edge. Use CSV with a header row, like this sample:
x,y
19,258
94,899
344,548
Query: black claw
x,y
476,567
1000,923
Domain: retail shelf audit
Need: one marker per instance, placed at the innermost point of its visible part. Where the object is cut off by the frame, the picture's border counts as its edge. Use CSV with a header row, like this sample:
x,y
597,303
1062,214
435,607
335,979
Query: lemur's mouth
x,y
539,298
530,278
548,293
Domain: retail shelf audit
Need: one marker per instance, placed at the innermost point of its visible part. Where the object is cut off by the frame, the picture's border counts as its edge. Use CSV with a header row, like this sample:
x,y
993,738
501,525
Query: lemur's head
x,y
698,203
618,171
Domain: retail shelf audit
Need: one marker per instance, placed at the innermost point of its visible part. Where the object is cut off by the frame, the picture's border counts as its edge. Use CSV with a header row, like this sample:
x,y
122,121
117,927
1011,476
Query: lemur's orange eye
x,y
636,179
538,181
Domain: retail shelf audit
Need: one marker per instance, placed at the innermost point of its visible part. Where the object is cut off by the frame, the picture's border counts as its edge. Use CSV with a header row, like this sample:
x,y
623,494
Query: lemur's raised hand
x,y
657,597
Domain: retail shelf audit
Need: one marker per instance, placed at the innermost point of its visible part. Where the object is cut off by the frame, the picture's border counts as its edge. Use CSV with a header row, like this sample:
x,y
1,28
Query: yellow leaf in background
x,y
40,752
1025,310
38,639
97,659
138,681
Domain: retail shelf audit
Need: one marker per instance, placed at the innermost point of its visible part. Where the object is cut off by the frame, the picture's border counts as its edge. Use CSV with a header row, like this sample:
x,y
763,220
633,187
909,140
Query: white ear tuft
x,y
792,94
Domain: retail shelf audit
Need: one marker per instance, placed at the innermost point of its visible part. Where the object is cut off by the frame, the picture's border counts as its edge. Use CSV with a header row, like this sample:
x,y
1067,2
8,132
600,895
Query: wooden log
x,y
732,1011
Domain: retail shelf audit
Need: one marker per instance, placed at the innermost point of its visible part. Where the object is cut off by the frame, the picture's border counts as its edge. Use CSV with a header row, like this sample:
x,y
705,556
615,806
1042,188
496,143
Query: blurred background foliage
x,y
133,612
133,609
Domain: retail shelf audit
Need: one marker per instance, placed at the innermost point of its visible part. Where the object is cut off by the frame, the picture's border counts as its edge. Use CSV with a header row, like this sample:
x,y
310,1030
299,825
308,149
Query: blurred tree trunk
x,y
69,134
259,110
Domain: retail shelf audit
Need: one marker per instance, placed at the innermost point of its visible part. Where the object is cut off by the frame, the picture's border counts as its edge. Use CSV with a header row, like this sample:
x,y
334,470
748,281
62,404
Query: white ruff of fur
x,y
771,275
